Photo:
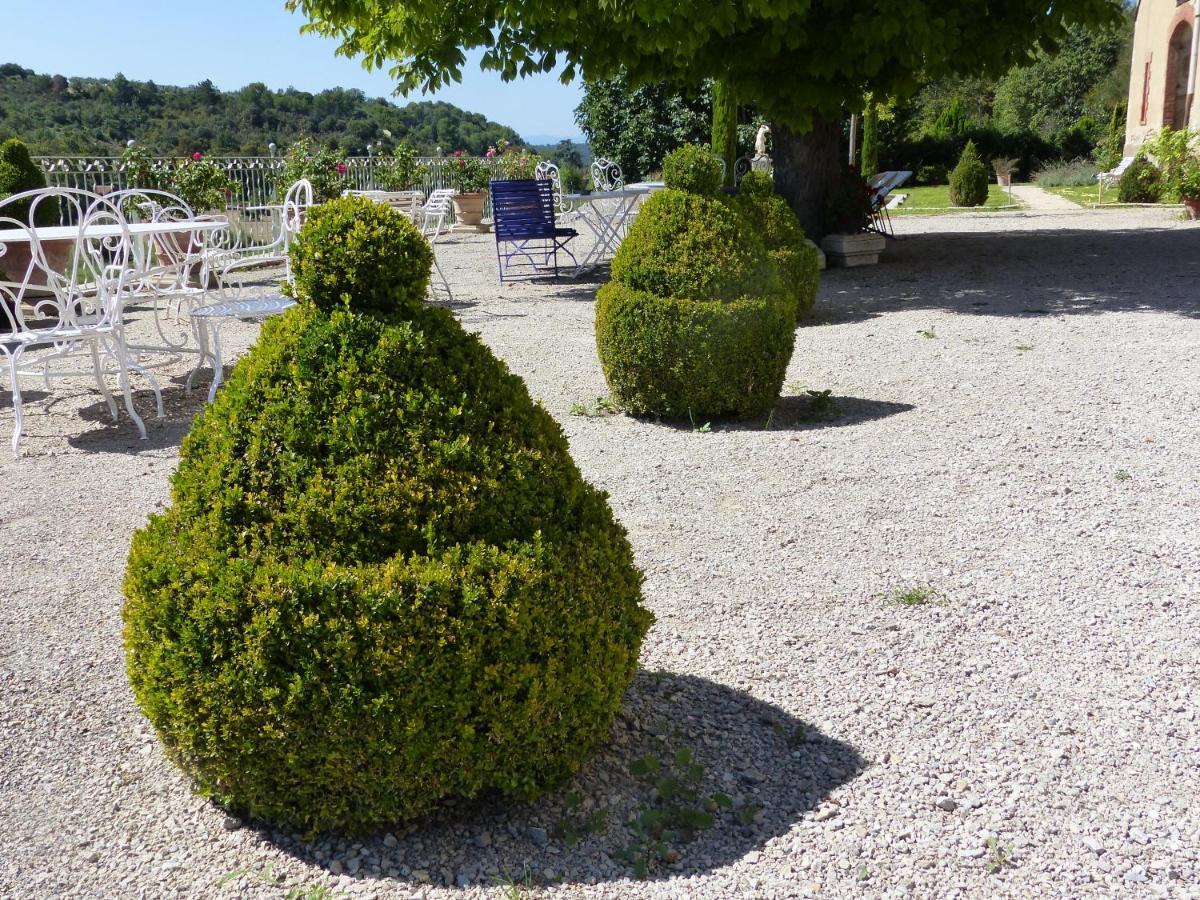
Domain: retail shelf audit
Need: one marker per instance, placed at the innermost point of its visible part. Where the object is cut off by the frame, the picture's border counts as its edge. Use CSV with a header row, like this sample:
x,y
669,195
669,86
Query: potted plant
x,y
1005,169
847,217
19,173
469,176
1189,189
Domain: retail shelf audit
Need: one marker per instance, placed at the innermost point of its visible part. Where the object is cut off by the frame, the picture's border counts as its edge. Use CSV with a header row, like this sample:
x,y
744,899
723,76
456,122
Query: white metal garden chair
x,y
434,222
548,171
607,176
229,267
408,203
56,313
234,303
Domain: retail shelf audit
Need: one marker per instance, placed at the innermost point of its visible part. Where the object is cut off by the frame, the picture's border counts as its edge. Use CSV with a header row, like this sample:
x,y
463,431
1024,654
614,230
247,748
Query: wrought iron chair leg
x,y
101,384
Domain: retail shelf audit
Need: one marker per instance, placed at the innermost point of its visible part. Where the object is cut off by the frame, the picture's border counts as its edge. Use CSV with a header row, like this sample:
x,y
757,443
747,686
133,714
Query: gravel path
x,y
1017,398
1037,199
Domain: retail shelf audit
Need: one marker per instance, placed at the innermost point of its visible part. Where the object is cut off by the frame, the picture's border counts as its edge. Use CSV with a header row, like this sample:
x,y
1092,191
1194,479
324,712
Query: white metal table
x,y
604,213
212,317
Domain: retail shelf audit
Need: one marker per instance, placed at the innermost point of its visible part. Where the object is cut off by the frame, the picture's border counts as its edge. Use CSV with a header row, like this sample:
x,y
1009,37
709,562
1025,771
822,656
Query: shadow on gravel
x,y
122,437
1029,273
804,412
676,735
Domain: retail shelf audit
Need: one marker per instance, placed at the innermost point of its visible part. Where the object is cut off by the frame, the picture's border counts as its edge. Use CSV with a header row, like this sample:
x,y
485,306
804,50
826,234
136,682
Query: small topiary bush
x,y
1142,182
381,581
695,321
756,184
18,173
969,180
354,252
686,245
693,169
794,256
676,357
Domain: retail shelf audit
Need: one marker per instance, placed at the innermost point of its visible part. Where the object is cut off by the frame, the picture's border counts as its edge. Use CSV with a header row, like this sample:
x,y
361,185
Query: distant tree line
x,y
55,115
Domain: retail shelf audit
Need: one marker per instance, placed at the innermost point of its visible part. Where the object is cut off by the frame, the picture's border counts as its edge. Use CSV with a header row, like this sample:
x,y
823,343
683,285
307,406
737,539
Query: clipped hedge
x,y
677,357
381,581
969,180
694,169
354,252
19,173
687,245
795,257
696,321
1141,182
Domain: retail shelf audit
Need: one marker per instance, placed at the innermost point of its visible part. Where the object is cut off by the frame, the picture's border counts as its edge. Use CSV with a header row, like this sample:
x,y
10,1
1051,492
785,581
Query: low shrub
x,y
694,169
1142,182
381,581
687,245
677,357
1077,173
325,169
969,180
19,173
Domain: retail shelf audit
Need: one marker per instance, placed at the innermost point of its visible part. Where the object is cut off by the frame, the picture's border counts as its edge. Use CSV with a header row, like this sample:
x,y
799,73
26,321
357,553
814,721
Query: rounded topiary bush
x,y
382,580
969,180
694,169
687,245
353,252
695,321
19,173
756,184
677,357
782,234
1141,182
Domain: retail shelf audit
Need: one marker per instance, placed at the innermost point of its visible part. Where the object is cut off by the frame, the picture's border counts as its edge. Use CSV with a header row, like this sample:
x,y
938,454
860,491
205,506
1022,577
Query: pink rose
x,y
341,168
491,152
197,156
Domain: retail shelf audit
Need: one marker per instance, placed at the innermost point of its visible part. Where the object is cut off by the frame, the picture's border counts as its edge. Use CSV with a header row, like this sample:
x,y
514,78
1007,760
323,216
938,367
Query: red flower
x,y
457,153
341,168
197,156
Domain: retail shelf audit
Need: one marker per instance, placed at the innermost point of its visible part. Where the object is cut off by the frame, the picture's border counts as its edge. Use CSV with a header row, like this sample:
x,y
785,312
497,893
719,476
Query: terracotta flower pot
x,y
468,208
1192,205
15,263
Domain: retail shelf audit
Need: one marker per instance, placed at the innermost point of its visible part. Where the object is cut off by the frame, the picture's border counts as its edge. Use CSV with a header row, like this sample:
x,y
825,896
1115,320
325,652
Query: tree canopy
x,y
798,60
57,115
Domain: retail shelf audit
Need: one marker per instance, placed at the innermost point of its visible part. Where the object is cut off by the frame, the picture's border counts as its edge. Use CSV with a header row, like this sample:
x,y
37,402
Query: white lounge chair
x,y
1112,176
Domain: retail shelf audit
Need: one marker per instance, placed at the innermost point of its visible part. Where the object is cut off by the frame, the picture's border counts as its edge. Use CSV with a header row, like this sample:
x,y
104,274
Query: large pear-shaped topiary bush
x,y
381,581
695,321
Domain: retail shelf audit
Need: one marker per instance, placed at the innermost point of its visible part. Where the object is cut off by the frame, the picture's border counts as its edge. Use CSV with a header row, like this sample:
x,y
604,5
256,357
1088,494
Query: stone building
x,y
1163,81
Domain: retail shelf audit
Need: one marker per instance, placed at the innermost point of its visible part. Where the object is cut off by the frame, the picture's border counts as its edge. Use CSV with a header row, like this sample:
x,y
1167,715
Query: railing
x,y
257,177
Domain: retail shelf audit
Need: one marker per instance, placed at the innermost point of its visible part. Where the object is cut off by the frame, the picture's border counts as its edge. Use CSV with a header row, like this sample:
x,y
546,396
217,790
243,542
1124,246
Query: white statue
x,y
760,141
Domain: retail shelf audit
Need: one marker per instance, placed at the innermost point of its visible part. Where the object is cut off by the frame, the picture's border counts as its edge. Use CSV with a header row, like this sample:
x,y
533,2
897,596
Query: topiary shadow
x,y
798,412
772,766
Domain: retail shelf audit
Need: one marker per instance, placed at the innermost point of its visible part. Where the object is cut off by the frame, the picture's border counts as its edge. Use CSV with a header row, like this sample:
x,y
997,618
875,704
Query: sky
x,y
235,42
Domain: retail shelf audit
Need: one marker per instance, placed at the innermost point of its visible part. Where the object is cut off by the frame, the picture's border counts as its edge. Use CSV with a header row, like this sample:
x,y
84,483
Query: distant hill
x,y
55,115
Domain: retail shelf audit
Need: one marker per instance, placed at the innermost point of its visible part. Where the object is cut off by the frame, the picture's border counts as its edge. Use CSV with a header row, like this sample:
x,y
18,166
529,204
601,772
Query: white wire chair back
x,y
296,201
548,171
69,282
436,213
607,175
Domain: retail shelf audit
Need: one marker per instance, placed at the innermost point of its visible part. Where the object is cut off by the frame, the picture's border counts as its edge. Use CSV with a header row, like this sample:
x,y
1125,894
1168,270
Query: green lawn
x,y
932,200
1087,196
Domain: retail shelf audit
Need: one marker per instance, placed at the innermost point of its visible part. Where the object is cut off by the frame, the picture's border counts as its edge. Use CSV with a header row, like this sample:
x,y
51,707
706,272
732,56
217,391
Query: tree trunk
x,y
724,126
806,165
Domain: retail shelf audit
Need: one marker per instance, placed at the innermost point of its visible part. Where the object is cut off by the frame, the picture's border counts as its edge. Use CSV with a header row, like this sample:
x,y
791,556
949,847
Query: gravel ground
x,y
1015,434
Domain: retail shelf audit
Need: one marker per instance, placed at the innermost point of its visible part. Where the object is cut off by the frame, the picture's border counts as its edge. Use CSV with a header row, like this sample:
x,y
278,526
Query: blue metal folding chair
x,y
527,238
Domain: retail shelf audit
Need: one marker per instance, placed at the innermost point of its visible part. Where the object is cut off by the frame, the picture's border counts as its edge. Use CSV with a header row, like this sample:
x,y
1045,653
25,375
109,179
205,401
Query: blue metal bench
x,y
527,238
